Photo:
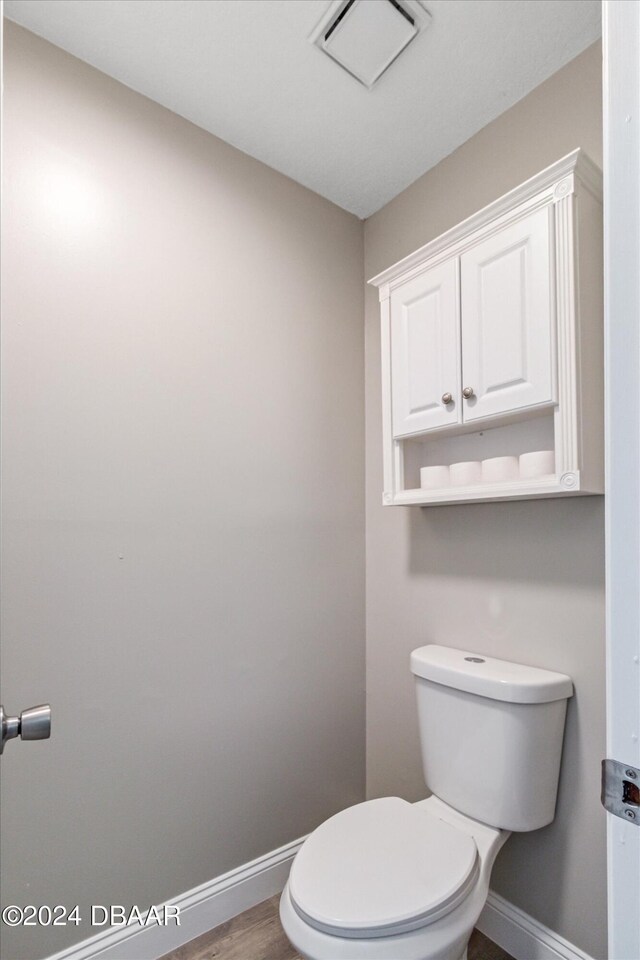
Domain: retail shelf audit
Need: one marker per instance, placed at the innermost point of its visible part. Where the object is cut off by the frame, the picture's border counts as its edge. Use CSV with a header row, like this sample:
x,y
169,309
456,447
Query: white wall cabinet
x,y
492,344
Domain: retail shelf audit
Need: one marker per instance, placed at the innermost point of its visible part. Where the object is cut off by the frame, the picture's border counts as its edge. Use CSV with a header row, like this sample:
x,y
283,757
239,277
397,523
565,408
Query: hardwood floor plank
x,y
256,934
481,948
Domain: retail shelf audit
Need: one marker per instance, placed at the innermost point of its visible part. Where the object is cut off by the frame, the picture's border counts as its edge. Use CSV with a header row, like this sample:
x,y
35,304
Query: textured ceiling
x,y
243,70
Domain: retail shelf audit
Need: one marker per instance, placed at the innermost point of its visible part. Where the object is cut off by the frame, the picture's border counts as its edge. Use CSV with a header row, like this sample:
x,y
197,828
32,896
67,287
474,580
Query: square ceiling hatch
x,y
365,36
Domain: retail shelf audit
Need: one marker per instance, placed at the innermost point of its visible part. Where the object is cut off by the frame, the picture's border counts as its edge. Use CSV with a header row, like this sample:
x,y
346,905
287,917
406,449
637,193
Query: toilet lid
x,y
381,867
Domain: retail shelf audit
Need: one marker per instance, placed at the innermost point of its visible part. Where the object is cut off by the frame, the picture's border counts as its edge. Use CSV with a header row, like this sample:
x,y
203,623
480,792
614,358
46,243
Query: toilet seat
x,y
382,868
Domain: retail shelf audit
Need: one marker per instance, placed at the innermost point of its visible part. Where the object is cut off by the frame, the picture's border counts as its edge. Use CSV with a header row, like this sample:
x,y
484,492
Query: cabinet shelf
x,y
508,305
510,490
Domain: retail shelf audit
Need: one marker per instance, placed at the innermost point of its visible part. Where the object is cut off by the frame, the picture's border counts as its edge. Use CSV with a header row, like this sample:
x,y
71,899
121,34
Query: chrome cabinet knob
x,y
447,398
32,724
467,393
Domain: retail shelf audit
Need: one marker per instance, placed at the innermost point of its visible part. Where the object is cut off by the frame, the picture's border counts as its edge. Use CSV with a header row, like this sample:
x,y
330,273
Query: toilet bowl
x,y
391,880
414,893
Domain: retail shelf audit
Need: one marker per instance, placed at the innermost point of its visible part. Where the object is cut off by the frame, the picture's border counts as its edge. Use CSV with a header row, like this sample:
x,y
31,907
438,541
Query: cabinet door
x,y
508,319
425,350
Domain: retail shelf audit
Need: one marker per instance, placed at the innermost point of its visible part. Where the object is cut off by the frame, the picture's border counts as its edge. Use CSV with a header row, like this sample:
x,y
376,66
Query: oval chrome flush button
x,y
475,660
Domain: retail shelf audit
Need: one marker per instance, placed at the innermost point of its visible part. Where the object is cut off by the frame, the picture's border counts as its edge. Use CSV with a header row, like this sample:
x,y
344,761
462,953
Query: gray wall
x,y
517,580
183,509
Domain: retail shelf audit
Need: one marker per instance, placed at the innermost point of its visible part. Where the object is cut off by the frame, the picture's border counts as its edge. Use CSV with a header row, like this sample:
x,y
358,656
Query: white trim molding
x,y
201,909
621,81
522,936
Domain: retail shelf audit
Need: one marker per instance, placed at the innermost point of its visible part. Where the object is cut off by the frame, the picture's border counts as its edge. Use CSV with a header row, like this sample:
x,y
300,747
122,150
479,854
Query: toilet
x,y
392,880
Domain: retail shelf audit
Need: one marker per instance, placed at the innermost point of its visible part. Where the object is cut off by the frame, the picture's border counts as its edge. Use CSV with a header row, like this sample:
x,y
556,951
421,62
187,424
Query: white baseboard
x,y
201,909
226,896
522,936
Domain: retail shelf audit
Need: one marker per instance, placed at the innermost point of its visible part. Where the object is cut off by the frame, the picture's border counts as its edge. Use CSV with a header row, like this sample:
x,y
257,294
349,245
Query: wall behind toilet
x,y
183,498
517,580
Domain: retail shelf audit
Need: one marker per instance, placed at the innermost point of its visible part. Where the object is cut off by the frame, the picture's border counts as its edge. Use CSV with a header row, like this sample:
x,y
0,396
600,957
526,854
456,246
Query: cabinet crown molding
x,y
553,183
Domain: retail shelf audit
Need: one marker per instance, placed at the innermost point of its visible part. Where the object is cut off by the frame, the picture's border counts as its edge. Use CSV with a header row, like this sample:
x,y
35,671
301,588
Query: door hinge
x,y
621,790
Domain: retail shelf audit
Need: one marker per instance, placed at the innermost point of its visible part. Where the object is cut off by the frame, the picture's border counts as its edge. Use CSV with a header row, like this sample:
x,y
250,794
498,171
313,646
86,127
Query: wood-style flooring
x,y
257,935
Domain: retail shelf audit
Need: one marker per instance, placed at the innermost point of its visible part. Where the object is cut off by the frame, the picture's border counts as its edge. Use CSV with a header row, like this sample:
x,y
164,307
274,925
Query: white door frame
x,y
621,42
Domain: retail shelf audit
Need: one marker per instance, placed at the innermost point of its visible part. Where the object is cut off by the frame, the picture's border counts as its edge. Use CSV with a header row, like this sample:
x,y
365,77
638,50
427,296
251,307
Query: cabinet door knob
x,y
467,393
447,398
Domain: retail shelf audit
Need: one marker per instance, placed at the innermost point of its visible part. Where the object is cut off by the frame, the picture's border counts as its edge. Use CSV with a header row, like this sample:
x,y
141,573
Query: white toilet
x,y
391,880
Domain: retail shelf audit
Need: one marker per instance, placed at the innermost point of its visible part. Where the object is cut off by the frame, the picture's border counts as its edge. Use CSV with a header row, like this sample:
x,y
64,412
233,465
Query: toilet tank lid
x,y
489,677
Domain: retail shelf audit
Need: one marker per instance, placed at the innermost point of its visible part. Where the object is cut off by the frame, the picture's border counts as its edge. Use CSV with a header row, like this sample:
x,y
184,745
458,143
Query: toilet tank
x,y
491,734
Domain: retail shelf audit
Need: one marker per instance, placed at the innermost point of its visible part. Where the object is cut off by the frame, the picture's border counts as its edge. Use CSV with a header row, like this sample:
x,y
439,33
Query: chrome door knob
x,y
32,724
447,398
467,393
35,723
